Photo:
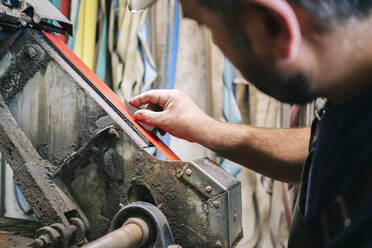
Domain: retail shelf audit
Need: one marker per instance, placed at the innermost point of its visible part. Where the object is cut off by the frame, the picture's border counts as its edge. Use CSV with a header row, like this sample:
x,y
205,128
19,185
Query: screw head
x,y
113,132
23,22
32,53
208,189
216,204
37,18
235,217
218,244
188,172
38,243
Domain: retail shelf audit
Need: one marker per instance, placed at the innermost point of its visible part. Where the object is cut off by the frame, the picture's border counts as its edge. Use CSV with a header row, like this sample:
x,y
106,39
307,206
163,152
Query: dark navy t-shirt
x,y
343,149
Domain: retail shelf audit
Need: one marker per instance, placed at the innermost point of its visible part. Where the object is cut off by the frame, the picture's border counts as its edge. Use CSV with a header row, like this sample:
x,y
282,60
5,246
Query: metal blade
x,y
131,110
45,10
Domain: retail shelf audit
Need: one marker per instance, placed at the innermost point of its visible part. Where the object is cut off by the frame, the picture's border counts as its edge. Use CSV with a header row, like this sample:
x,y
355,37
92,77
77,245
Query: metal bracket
x,y
48,198
97,145
34,12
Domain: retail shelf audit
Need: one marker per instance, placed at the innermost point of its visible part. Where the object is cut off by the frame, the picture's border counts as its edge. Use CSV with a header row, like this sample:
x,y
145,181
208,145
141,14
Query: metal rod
x,y
128,236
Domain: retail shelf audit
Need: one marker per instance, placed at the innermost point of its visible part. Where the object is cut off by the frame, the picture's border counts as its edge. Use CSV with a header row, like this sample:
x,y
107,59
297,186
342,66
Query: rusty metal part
x,y
103,95
130,235
33,12
59,235
48,124
98,144
45,11
31,173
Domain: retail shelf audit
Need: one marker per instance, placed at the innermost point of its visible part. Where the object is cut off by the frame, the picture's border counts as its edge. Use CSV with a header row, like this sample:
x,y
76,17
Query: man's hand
x,y
176,114
276,153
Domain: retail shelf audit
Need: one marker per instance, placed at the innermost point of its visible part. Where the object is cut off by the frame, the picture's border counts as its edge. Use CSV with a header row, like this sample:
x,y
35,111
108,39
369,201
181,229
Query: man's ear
x,y
273,28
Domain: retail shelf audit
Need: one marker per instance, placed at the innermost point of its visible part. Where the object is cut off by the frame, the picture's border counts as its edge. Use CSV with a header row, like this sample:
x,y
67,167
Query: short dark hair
x,y
340,9
321,9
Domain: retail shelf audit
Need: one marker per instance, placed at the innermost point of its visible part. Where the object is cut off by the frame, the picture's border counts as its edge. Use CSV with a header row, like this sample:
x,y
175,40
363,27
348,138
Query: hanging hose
x,y
295,114
287,208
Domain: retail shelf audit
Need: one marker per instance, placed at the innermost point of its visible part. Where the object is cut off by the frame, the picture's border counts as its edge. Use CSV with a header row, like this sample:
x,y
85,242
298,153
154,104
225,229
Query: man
x,y
295,51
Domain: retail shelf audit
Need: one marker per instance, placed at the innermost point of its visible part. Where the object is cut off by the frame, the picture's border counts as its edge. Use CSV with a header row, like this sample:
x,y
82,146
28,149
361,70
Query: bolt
x,y
38,243
112,131
235,217
36,18
208,189
32,53
23,22
218,244
188,172
216,204
46,240
95,149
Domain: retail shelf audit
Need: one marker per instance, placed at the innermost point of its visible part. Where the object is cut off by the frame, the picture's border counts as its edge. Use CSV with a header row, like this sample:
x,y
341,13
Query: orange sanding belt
x,y
65,9
109,94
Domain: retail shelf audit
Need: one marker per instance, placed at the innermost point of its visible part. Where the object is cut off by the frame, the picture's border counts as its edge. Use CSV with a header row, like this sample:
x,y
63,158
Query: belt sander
x,y
83,163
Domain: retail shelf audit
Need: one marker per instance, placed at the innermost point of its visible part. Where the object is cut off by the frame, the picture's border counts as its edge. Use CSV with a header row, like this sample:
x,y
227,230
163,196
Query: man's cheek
x,y
224,45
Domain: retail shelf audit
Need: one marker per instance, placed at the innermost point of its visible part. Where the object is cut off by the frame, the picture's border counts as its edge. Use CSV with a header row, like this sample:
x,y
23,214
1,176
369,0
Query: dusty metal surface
x,y
196,218
8,240
16,233
73,157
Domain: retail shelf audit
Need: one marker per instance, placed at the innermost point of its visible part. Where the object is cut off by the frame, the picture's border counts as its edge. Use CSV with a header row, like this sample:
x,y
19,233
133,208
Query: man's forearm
x,y
276,153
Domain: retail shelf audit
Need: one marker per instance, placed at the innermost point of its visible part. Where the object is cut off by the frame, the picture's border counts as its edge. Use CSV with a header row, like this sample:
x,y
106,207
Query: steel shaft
x,y
128,236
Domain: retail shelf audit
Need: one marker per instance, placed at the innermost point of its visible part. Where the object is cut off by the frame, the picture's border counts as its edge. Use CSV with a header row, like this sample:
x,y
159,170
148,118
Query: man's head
x,y
293,50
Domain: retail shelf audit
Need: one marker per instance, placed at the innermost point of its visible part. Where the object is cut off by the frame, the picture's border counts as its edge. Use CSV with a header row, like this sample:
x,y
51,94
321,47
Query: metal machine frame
x,y
201,202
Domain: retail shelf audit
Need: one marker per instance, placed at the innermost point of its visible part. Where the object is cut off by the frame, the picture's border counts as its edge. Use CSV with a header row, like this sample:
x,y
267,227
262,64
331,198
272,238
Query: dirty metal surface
x,y
196,219
8,240
19,227
103,95
32,174
89,158
17,233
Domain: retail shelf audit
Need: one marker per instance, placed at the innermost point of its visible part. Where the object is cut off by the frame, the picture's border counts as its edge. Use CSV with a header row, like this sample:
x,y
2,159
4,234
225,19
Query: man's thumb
x,y
147,116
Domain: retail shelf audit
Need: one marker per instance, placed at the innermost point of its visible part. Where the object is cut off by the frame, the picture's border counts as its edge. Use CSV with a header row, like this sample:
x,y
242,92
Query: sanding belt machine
x,y
84,165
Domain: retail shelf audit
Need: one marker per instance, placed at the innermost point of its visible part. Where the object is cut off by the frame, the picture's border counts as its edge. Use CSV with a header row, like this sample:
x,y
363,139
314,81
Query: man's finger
x,y
154,107
149,117
157,97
